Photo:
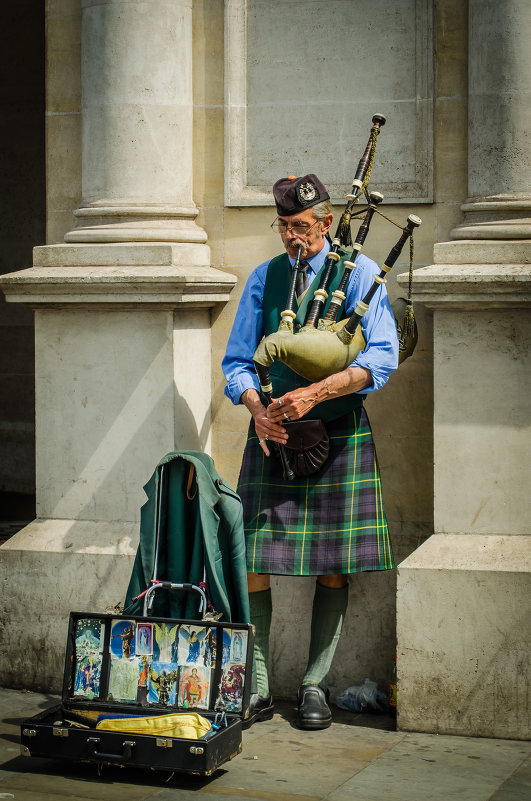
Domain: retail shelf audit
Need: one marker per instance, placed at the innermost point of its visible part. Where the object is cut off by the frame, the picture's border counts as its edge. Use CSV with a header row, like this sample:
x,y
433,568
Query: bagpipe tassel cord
x,y
409,318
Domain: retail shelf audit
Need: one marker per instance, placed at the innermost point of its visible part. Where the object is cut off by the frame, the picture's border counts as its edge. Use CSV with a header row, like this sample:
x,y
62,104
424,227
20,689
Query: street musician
x,y
330,524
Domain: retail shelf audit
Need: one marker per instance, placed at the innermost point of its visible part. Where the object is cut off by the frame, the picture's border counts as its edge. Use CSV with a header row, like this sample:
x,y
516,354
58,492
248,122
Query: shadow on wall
x,y
23,215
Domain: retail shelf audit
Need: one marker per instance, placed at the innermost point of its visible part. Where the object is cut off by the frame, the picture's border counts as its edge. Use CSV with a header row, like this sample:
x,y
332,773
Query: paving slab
x,y
359,758
427,767
518,786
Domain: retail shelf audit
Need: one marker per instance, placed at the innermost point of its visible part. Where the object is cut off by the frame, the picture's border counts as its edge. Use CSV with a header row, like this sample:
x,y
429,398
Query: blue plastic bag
x,y
364,698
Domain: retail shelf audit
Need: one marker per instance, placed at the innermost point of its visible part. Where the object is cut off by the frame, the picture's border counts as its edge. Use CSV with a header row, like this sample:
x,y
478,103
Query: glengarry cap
x,y
293,195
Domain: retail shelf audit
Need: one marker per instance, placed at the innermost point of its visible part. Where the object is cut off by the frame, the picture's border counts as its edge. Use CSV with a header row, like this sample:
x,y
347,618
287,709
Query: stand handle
x,y
169,585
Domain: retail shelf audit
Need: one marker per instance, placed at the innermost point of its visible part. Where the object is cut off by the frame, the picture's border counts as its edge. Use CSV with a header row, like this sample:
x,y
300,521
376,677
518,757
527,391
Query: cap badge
x,y
307,192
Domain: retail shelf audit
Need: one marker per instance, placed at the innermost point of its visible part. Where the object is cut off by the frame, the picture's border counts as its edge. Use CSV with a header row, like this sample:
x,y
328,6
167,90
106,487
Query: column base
x,y
463,630
129,222
47,570
496,217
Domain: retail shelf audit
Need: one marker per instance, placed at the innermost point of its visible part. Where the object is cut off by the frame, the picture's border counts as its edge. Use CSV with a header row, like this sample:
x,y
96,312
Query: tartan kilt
x,y
330,522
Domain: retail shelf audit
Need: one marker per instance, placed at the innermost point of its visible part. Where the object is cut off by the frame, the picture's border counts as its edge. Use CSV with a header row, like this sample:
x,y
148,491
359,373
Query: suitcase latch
x,y
58,732
162,743
197,750
29,732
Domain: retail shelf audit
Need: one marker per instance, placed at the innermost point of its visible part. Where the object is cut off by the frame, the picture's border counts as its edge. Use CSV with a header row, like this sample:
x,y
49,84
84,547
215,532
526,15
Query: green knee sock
x,y
328,613
261,610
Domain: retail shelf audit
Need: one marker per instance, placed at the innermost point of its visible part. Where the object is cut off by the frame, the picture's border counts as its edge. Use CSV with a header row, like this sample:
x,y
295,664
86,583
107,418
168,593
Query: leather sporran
x,y
307,447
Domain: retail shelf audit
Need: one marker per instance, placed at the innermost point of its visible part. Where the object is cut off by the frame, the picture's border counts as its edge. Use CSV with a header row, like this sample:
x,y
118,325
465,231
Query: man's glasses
x,y
301,228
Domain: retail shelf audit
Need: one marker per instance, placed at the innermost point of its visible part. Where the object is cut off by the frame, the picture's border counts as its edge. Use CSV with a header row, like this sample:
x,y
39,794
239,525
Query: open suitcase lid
x,y
147,665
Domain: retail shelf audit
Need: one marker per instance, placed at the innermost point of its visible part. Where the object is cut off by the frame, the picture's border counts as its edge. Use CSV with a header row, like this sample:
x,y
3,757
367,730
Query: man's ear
x,y
327,222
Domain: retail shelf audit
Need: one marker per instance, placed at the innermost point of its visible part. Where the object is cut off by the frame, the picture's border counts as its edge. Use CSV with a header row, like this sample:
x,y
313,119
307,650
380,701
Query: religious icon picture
x,y
234,647
209,649
123,679
238,646
194,688
123,638
88,636
162,682
225,651
143,675
191,644
230,693
165,642
144,639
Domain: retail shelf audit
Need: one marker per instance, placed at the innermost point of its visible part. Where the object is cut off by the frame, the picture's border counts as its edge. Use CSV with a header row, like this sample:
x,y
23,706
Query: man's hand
x,y
294,405
266,429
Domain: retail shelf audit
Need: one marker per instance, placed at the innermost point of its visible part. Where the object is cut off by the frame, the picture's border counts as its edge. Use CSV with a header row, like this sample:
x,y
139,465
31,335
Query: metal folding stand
x,y
161,584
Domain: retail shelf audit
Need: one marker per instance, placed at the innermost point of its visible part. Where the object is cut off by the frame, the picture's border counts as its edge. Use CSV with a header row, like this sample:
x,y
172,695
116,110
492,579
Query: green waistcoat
x,y
276,291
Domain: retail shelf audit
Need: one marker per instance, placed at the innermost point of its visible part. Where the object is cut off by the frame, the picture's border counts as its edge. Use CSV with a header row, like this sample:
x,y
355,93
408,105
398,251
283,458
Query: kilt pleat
x,y
327,523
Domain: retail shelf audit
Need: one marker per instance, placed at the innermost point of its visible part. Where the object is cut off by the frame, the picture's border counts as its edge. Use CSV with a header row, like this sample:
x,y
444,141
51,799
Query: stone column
x,y
137,123
499,122
122,333
464,597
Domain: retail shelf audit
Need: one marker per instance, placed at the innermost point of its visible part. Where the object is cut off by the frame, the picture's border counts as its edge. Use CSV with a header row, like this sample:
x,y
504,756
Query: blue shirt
x,y
380,355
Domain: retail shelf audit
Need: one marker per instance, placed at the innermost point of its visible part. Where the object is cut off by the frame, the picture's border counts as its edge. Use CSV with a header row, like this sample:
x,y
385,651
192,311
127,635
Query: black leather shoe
x,y
314,712
259,709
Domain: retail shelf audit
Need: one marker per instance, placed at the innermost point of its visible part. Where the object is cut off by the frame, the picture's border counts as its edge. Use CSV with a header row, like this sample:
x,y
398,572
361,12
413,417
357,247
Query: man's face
x,y
311,240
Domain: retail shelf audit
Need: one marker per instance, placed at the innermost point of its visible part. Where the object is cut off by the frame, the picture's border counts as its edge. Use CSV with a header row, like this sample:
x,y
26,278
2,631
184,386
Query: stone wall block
x,y
404,407
451,30
451,174
249,239
71,552
489,445
63,163
114,375
406,487
463,622
63,59
208,51
208,165
227,452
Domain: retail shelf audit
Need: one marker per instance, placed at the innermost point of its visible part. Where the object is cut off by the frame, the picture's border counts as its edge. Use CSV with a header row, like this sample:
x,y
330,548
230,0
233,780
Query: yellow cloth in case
x,y
188,725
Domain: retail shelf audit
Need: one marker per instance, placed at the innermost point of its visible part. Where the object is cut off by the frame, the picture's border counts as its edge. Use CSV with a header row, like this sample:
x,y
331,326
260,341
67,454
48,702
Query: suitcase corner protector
x,y
24,751
236,752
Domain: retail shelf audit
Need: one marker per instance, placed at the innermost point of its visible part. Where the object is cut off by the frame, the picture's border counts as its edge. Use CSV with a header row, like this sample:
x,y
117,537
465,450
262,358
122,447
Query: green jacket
x,y
201,538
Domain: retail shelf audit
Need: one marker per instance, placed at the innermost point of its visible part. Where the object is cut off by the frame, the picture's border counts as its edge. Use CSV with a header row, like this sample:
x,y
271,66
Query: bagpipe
x,y
327,344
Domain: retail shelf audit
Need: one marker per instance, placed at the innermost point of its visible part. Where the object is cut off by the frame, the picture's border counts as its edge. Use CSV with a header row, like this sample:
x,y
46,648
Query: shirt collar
x,y
317,261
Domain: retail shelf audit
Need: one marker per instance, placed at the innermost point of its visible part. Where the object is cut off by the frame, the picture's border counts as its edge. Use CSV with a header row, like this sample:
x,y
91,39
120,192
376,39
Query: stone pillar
x,y
499,122
464,597
137,123
122,333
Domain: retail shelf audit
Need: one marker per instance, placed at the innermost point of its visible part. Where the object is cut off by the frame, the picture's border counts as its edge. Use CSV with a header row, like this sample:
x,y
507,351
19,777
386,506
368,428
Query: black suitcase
x,y
148,666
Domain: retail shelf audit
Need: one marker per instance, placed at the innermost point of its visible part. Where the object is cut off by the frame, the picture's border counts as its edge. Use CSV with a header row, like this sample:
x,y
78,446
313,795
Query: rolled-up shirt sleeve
x,y
247,331
380,355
